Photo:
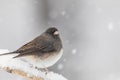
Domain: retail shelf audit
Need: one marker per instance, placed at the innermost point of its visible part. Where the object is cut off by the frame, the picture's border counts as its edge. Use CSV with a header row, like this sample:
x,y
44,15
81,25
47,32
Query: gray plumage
x,y
46,43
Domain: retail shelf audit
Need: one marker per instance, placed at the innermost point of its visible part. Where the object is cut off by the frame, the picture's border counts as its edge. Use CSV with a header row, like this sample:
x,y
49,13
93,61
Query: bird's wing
x,y
35,47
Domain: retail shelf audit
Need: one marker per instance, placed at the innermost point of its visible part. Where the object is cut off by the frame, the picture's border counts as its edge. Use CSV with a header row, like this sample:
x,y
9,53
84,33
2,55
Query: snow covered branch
x,y
22,73
24,69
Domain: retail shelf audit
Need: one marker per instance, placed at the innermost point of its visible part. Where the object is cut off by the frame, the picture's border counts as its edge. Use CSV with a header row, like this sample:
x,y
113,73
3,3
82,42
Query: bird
x,y
43,51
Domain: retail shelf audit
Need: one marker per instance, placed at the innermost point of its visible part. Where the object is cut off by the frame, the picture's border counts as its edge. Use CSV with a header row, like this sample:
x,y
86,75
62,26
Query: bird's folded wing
x,y
31,49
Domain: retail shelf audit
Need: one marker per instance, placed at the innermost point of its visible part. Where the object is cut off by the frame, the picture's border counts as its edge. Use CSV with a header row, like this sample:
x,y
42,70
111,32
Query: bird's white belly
x,y
43,63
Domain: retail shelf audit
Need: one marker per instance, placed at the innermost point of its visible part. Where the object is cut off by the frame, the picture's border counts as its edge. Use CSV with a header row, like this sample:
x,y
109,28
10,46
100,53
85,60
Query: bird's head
x,y
53,31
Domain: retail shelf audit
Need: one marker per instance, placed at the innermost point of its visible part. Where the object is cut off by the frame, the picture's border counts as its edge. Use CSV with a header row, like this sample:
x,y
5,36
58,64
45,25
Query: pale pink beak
x,y
56,33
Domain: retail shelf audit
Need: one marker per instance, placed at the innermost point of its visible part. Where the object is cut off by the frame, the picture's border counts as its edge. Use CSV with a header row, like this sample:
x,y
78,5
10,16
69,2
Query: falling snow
x,y
110,26
74,51
60,66
63,13
64,60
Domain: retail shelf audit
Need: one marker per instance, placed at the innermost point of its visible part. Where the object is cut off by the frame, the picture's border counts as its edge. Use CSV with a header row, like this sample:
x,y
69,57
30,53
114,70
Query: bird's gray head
x,y
53,34
53,31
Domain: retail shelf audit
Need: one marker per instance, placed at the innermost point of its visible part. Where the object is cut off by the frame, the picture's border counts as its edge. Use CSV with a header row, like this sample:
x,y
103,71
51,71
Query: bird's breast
x,y
44,61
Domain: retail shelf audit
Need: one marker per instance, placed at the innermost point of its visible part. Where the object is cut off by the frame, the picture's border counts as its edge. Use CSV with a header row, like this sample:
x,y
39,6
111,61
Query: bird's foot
x,y
46,70
39,69
43,70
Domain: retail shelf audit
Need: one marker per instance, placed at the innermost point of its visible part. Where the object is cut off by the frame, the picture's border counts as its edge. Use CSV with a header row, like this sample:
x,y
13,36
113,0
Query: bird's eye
x,y
56,33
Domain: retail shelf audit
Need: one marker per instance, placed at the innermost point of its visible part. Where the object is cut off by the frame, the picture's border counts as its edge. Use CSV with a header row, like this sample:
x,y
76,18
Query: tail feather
x,y
7,53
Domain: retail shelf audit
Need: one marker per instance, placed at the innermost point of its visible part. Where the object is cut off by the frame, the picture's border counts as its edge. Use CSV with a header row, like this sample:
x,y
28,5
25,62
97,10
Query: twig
x,y
22,74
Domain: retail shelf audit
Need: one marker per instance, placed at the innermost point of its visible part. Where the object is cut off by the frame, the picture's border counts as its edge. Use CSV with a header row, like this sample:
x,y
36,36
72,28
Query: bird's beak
x,y
56,33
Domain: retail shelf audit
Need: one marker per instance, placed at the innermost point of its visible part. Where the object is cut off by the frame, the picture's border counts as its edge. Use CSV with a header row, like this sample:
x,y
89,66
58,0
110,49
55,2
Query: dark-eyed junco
x,y
43,51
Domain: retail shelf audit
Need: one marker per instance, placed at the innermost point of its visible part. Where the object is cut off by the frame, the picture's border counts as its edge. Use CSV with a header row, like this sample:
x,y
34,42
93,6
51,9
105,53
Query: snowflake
x,y
110,26
74,51
60,66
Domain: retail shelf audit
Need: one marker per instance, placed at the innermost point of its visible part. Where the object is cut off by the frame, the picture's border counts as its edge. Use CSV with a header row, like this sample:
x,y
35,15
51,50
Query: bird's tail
x,y
7,53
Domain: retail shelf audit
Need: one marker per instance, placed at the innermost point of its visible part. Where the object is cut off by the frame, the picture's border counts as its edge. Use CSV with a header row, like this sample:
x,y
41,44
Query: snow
x,y
74,51
60,66
110,26
4,50
17,63
63,13
54,76
64,60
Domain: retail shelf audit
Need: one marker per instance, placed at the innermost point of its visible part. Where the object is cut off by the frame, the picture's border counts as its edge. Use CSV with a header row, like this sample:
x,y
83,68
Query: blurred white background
x,y
90,30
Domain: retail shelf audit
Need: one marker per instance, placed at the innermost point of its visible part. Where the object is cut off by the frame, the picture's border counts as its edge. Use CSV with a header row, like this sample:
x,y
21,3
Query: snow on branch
x,y
24,69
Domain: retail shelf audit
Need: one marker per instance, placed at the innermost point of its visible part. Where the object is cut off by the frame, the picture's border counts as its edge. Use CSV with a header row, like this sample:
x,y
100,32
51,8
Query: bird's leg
x,y
46,70
38,68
